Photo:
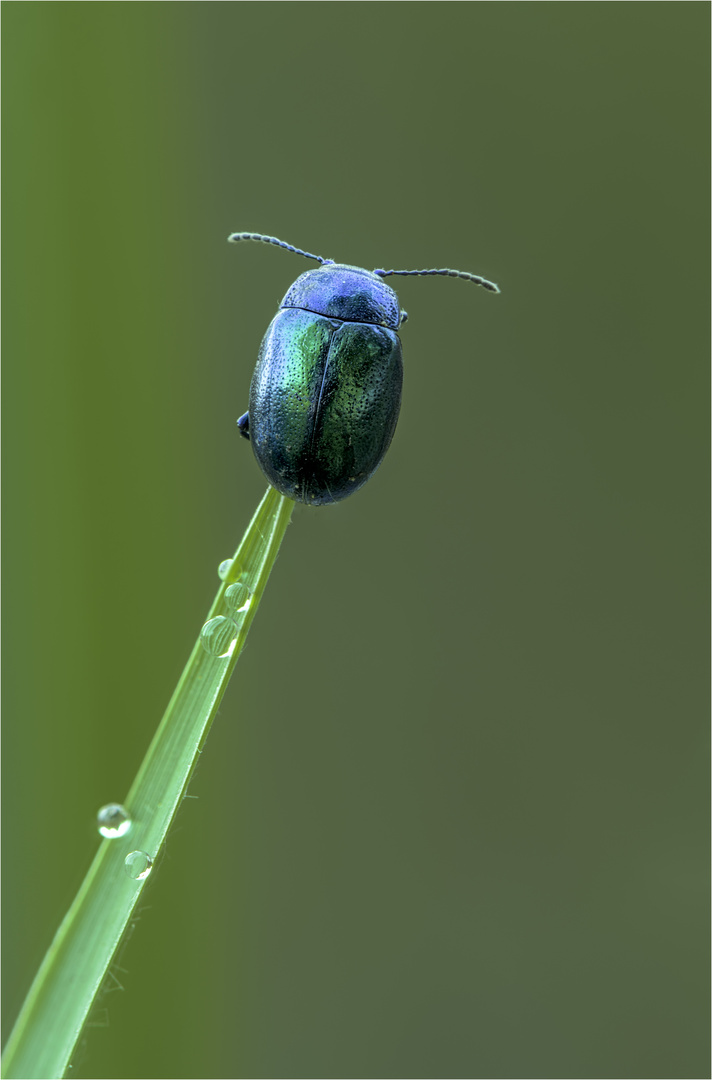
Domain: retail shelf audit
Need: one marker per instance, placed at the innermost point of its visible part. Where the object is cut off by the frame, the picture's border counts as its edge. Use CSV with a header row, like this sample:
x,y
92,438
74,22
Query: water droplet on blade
x,y
138,865
113,820
219,637
238,597
224,568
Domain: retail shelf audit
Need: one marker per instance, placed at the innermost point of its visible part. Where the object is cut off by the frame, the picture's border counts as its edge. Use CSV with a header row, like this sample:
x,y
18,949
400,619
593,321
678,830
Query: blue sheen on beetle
x,y
326,391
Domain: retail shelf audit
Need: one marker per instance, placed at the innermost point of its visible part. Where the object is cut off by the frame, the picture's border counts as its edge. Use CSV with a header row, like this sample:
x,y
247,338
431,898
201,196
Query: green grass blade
x,y
77,961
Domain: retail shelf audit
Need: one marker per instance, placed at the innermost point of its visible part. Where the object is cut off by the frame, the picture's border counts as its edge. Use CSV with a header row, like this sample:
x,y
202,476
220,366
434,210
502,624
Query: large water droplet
x,y
219,637
237,597
113,820
138,865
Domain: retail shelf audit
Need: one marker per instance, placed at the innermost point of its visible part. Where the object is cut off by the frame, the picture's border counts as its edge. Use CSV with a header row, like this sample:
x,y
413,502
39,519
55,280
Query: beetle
x,y
326,391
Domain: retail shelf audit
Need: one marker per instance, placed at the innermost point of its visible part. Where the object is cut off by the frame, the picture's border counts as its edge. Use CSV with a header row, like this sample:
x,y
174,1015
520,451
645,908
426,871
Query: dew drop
x,y
113,820
224,568
238,597
219,637
138,865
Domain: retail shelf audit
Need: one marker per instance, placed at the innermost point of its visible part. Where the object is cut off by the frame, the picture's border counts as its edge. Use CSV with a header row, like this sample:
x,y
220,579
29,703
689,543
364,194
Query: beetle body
x,y
326,391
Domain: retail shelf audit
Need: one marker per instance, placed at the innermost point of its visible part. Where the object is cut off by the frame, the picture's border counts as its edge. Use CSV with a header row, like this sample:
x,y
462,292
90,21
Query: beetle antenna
x,y
490,285
236,236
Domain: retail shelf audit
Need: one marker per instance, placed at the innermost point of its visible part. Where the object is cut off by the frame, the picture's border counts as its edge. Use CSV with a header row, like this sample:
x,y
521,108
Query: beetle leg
x,y
243,426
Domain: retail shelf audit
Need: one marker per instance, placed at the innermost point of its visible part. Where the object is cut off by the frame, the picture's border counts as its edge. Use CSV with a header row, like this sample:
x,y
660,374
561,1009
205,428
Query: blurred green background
x,y
452,817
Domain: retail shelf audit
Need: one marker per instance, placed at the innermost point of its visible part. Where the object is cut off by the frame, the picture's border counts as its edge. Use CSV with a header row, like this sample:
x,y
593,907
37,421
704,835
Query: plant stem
x,y
76,964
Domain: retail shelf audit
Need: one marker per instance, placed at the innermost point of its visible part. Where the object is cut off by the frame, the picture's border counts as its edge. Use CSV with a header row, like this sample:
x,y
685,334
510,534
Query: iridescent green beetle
x,y
326,392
